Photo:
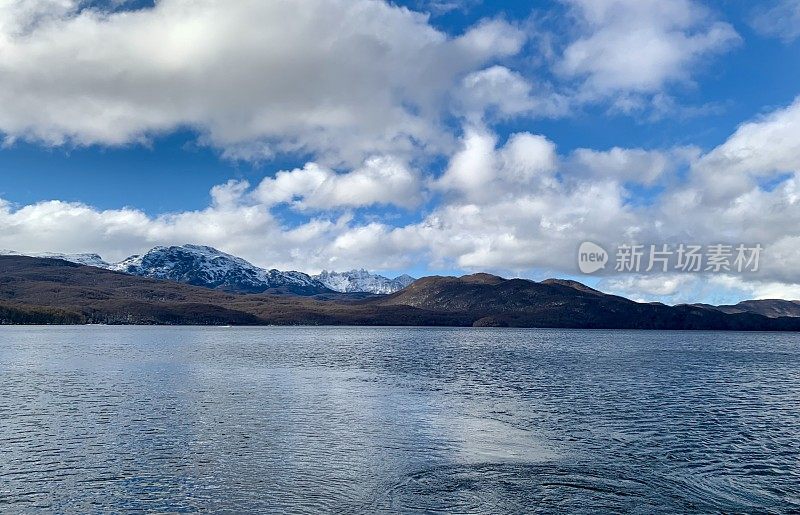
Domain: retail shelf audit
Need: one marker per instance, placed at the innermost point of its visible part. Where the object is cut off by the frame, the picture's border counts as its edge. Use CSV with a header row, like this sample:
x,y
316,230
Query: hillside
x,y
200,265
492,300
772,308
35,290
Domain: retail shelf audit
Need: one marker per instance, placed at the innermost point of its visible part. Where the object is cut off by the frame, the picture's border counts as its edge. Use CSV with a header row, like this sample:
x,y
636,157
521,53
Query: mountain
x,y
208,267
356,281
493,301
772,308
59,291
54,291
36,290
81,259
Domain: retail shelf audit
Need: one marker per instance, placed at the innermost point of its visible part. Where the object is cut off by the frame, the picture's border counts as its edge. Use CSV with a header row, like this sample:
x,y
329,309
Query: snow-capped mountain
x,y
81,259
206,266
362,281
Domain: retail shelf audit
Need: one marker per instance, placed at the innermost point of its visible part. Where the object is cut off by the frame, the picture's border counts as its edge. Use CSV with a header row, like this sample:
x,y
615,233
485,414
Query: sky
x,y
422,137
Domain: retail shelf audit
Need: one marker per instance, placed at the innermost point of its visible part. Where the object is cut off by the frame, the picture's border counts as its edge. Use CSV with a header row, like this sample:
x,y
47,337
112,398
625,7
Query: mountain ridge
x,y
205,266
42,290
772,308
355,281
201,265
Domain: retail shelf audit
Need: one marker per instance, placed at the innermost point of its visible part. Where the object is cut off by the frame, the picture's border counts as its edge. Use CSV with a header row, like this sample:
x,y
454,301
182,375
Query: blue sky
x,y
752,78
419,136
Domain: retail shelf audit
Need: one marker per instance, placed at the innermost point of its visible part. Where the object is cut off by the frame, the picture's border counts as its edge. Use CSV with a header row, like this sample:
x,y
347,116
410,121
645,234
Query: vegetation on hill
x,y
52,291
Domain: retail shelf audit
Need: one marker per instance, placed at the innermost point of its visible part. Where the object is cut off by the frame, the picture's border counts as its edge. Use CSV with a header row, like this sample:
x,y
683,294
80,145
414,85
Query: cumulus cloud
x,y
344,80
250,231
513,206
640,46
779,18
647,288
689,288
634,165
439,7
760,148
747,190
478,172
361,86
508,209
381,180
507,213
502,92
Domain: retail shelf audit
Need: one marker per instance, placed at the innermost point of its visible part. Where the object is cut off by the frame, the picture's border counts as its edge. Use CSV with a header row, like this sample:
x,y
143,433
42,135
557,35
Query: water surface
x,y
362,420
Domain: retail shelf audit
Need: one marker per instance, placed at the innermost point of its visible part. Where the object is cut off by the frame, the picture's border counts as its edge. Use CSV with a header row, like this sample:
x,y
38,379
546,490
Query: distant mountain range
x,y
772,308
200,265
81,259
208,267
357,281
48,290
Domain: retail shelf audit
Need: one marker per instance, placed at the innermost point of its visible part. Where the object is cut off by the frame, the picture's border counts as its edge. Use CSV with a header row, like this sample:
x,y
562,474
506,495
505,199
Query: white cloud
x,y
505,93
381,180
492,38
343,80
539,227
629,164
439,7
250,231
506,214
648,287
760,148
508,210
779,18
513,206
723,197
776,290
681,288
640,46
479,173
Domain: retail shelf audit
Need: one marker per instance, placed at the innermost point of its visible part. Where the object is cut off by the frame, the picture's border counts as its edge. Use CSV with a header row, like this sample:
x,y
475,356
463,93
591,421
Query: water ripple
x,y
365,420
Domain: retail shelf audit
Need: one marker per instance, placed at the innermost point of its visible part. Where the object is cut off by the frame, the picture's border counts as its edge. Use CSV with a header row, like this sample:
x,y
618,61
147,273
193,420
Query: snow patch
x,y
362,281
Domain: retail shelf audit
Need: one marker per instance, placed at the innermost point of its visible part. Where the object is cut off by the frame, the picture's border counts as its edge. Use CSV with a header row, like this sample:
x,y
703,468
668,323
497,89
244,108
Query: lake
x,y
364,420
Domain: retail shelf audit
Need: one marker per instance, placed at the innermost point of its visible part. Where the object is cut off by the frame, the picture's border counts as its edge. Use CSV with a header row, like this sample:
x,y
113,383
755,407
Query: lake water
x,y
353,420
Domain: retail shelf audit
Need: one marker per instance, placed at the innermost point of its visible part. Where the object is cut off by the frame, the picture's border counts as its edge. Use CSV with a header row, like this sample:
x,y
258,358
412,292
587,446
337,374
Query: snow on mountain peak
x,y
87,259
201,265
362,281
206,266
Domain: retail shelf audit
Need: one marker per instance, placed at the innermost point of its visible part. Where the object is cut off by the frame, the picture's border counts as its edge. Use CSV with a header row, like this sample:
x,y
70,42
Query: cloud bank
x,y
345,79
515,206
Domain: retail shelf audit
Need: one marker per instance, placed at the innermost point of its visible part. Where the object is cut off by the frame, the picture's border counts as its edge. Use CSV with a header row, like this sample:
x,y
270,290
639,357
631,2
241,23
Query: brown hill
x,y
491,300
772,308
36,290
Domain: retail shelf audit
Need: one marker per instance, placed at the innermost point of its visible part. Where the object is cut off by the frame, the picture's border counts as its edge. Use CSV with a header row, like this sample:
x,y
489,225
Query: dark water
x,y
96,419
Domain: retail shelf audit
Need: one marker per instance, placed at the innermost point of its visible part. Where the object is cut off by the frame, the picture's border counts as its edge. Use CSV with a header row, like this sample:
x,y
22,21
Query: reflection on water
x,y
397,419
